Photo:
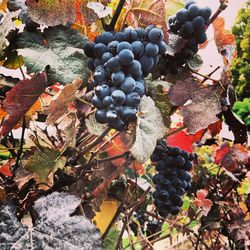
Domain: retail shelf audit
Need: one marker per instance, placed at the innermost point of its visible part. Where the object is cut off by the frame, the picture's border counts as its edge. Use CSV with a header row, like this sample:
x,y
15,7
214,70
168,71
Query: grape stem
x,y
111,26
222,7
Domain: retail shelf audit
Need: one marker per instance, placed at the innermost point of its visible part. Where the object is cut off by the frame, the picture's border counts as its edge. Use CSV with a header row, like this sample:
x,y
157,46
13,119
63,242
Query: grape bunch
x,y
147,225
190,23
120,61
141,218
172,179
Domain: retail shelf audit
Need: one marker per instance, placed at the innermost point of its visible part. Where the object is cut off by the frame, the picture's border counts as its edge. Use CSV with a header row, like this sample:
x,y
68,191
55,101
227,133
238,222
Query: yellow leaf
x,y
108,209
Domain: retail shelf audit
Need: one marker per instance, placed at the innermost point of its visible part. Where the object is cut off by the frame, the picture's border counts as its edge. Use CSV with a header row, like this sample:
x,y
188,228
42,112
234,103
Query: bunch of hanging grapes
x,y
190,23
120,61
172,180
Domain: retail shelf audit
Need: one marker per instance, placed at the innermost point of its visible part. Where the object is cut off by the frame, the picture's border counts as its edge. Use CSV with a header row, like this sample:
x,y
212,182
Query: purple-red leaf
x,y
20,99
182,91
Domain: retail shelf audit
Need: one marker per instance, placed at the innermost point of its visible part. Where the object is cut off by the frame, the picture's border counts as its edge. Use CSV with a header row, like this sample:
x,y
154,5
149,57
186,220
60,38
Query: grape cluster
x,y
172,179
190,24
147,225
120,61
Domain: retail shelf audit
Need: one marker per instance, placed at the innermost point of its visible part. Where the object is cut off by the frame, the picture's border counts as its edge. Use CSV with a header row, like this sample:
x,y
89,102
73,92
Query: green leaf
x,y
59,47
186,203
195,63
111,239
150,127
193,224
160,97
173,6
44,162
165,229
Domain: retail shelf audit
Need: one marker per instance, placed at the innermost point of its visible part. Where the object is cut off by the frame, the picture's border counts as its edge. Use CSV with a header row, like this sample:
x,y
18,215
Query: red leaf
x,y
5,169
201,200
215,128
181,140
20,99
231,157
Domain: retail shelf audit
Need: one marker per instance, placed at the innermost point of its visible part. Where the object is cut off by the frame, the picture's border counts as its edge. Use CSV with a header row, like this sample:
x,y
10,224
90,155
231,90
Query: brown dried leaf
x,y
203,109
20,99
182,91
51,13
60,106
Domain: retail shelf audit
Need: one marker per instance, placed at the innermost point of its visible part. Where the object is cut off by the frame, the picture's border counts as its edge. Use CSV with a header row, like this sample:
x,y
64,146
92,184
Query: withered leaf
x,y
182,91
20,99
65,98
203,109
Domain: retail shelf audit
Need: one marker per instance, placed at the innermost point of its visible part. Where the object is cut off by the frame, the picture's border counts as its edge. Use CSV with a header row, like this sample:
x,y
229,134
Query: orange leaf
x,y
37,106
222,37
3,114
6,168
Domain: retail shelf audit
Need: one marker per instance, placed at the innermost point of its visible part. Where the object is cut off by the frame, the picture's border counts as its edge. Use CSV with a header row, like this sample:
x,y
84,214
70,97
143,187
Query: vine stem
x,y
222,7
113,176
175,131
93,144
140,201
111,26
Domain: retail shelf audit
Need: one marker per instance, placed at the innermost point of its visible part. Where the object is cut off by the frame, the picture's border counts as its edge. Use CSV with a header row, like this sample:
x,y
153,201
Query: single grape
x,y
102,91
163,212
205,12
134,67
100,116
189,2
113,64
119,36
139,88
202,38
147,63
117,124
106,37
172,19
118,97
151,49
126,57
105,57
128,114
89,49
100,49
162,48
117,77
155,35
112,47
128,85
97,102
198,22
187,166
112,116
99,77
107,101
193,11
140,33
130,35
123,45
138,49
188,27
182,16
97,39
